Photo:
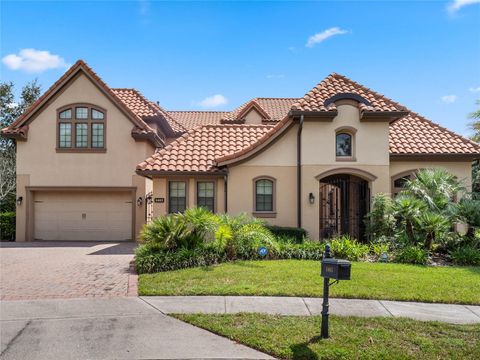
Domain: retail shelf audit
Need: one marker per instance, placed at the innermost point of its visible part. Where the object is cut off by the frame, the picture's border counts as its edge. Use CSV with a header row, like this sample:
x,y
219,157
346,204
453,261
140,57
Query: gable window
x,y
206,195
177,196
81,128
344,144
264,197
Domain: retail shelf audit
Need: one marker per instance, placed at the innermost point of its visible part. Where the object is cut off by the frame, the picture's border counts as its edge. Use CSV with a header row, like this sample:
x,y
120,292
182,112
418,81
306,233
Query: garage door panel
x,y
102,216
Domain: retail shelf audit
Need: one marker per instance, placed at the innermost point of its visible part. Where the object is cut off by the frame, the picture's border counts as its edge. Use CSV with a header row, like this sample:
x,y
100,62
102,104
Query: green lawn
x,y
293,337
458,285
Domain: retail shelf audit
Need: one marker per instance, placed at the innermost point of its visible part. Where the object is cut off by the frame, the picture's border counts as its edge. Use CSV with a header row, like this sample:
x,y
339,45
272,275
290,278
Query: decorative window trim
x,y
351,131
210,180
74,121
265,214
396,190
184,180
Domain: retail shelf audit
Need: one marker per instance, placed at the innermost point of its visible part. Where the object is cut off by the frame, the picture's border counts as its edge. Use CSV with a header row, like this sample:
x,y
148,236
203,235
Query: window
x,y
65,135
97,135
81,132
81,128
264,195
206,195
399,181
177,196
344,144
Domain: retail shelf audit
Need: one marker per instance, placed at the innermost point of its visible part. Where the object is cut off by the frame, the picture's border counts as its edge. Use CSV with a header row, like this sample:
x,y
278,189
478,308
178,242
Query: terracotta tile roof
x,y
414,134
192,119
272,109
196,150
146,109
334,84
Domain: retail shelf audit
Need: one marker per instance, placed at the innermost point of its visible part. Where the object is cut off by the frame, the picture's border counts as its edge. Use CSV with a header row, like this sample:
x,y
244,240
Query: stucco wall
x,y
253,117
38,160
461,169
160,191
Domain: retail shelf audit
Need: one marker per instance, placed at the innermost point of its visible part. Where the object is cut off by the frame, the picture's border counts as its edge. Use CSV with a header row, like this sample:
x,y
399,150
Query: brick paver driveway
x,y
42,270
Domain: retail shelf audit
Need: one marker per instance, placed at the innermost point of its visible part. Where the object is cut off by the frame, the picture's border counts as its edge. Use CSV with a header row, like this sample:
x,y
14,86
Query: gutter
x,y
299,172
225,195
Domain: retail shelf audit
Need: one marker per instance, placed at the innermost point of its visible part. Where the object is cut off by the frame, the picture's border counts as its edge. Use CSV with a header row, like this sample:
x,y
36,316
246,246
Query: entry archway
x,y
344,202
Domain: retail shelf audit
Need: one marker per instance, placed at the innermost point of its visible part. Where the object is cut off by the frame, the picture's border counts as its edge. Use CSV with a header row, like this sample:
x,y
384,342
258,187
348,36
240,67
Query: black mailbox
x,y
336,269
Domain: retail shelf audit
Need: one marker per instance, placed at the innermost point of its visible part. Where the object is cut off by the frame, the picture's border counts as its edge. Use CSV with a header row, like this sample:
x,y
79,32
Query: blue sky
x,y
425,55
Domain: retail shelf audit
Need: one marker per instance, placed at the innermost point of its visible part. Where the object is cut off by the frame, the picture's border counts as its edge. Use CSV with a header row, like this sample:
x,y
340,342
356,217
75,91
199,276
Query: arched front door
x,y
344,202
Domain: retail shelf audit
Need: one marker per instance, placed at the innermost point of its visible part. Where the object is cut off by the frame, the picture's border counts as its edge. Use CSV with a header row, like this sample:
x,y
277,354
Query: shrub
x,y
298,234
380,221
466,255
149,260
411,255
309,250
349,249
247,239
7,226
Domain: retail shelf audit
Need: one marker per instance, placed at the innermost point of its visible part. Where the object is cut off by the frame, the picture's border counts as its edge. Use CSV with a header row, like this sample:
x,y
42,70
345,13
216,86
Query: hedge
x,y
298,234
7,226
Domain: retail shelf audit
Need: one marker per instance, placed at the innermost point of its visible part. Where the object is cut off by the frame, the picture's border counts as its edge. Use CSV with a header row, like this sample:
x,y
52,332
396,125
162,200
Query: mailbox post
x,y
336,269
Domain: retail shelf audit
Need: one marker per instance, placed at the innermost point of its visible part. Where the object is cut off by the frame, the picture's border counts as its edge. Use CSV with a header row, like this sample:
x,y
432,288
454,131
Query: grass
x,y
456,285
293,337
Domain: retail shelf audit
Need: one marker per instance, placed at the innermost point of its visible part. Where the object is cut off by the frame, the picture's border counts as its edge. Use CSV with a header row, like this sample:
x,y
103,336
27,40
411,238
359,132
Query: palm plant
x,y
468,211
436,187
433,224
407,210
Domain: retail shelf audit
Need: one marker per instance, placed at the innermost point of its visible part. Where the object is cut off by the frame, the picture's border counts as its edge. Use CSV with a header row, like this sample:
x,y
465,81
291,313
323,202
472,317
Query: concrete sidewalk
x,y
456,314
116,328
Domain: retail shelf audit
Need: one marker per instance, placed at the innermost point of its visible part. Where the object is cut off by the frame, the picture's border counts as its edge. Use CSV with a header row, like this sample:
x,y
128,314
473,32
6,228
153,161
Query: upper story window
x,y
81,128
345,144
264,196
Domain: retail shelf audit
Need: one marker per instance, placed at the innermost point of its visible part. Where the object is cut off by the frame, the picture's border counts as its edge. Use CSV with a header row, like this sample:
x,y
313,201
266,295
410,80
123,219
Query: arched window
x,y
81,128
264,200
344,144
399,181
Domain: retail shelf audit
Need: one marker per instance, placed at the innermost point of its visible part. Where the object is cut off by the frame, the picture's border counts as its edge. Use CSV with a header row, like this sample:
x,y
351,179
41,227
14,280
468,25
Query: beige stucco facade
x,y
371,161
40,167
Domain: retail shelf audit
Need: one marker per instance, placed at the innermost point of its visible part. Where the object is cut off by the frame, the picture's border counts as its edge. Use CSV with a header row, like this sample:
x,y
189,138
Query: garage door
x,y
96,216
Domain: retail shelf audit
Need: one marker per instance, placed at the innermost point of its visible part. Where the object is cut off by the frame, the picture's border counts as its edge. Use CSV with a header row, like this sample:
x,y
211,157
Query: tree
x,y
9,111
475,126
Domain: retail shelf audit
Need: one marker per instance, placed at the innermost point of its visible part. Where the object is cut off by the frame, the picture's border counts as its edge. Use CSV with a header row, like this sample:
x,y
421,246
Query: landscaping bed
x,y
293,337
456,285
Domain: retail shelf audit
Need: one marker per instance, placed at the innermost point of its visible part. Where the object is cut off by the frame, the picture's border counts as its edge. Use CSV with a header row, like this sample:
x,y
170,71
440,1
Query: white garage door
x,y
96,216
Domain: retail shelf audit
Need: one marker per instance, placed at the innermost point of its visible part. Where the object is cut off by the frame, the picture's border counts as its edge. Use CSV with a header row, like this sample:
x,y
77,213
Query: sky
x,y
218,55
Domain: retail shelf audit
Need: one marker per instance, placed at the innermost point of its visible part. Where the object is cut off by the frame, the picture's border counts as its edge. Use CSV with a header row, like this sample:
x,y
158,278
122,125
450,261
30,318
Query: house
x,y
95,163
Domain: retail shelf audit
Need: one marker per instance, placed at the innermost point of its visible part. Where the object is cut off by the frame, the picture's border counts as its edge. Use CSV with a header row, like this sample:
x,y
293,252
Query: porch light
x,y
139,201
19,200
311,198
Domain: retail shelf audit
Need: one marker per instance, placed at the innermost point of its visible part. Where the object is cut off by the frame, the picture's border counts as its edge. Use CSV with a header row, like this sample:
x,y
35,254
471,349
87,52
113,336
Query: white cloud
x,y
474,89
213,101
324,35
456,5
275,76
449,99
34,61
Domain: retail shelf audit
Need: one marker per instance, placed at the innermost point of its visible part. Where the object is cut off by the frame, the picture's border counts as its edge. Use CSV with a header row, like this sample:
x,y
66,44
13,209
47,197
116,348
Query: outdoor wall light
x,y
139,201
19,200
311,198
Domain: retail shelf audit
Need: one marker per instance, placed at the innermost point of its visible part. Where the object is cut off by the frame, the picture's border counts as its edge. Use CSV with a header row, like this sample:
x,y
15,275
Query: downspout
x,y
225,188
299,173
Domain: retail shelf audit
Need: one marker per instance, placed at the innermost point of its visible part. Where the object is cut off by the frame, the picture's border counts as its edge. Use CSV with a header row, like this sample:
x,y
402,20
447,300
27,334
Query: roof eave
x,y
150,173
382,115
328,115
436,156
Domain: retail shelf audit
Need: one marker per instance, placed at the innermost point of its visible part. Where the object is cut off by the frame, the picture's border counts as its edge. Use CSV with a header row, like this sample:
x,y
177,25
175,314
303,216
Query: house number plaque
x,y
159,200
